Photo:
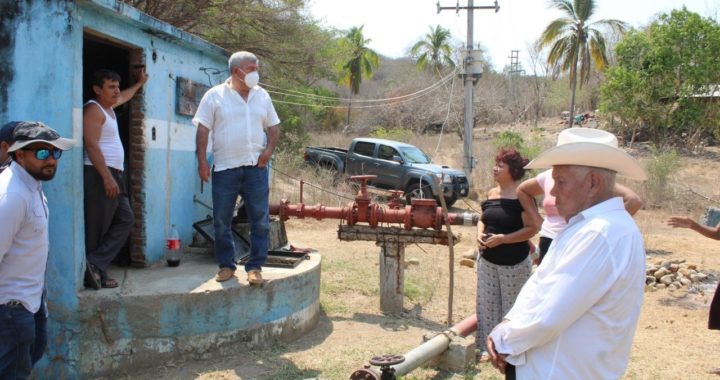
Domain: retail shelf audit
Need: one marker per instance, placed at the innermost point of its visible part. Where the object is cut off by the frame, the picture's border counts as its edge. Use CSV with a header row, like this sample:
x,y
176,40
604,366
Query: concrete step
x,y
160,314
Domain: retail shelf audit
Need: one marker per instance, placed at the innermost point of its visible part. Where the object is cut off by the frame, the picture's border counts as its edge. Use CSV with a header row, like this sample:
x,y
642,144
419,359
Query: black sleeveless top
x,y
504,216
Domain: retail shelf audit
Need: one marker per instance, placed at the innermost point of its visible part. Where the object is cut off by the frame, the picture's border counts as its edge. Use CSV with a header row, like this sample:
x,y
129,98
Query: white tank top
x,y
109,142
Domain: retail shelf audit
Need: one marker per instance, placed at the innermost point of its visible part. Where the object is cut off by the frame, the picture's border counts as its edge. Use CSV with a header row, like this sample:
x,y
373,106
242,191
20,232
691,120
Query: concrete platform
x,y
162,314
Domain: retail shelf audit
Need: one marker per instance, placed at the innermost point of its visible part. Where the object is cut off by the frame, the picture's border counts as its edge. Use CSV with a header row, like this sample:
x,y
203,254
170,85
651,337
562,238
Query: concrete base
x,y
162,314
458,356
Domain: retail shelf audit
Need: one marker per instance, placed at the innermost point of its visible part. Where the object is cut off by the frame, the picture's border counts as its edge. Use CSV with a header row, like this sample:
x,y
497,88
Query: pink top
x,y
553,223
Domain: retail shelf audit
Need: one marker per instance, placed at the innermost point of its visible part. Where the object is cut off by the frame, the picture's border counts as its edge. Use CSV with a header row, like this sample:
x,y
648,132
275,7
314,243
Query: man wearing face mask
x,y
245,129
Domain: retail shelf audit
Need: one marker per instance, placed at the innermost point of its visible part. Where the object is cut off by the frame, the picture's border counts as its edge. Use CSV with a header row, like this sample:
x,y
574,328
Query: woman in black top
x,y
503,232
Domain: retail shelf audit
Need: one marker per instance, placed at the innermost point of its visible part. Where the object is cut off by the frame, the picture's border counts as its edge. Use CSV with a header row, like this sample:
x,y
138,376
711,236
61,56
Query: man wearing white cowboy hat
x,y
24,246
575,318
541,185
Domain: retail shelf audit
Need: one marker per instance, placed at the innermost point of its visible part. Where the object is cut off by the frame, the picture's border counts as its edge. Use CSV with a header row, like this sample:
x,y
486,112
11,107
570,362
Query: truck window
x,y
387,152
364,148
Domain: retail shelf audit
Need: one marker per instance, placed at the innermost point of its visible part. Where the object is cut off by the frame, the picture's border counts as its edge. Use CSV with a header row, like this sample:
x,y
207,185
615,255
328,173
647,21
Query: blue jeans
x,y
251,183
23,337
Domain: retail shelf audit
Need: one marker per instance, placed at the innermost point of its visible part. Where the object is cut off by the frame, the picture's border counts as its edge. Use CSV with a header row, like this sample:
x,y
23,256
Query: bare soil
x,y
672,340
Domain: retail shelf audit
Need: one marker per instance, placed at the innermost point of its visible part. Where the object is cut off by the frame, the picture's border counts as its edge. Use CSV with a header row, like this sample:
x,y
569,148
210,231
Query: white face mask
x,y
252,79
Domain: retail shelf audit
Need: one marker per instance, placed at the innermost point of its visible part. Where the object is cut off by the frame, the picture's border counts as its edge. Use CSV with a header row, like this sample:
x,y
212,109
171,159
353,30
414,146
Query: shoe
x,y
92,277
482,356
255,277
224,274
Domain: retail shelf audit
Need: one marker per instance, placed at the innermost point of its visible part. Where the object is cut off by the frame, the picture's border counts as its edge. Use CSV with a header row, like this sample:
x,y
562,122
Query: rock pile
x,y
673,274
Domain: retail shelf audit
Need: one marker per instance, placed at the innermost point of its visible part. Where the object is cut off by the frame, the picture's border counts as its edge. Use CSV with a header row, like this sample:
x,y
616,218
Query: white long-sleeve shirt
x,y
576,316
23,238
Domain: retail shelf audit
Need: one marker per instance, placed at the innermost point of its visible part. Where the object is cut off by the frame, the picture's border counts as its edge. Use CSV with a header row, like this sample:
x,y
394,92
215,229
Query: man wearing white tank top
x,y
108,216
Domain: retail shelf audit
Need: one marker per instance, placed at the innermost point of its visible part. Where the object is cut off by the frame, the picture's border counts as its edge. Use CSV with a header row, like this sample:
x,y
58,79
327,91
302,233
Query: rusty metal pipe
x,y
422,213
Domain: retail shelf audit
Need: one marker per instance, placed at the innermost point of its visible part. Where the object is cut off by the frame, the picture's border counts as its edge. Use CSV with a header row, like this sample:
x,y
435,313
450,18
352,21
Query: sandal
x,y
93,279
107,282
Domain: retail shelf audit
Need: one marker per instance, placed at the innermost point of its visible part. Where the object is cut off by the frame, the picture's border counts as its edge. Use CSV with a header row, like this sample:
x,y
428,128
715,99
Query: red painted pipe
x,y
422,213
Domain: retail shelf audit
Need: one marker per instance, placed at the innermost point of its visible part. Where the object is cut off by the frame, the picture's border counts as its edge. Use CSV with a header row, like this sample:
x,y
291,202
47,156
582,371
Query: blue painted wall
x,y
42,80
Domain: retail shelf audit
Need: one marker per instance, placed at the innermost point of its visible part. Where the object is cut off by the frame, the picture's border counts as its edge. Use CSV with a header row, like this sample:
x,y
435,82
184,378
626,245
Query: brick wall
x,y
138,235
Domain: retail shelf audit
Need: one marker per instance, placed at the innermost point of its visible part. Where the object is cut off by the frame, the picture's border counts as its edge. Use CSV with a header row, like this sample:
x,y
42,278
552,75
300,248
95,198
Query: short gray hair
x,y
607,174
238,58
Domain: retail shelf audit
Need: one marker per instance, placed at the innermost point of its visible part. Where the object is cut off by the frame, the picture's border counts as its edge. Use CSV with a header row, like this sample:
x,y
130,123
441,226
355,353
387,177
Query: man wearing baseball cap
x,y
6,139
24,246
576,316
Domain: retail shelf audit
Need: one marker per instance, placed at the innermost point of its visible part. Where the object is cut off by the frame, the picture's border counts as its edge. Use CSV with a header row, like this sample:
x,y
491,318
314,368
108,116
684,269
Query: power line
x,y
300,94
389,101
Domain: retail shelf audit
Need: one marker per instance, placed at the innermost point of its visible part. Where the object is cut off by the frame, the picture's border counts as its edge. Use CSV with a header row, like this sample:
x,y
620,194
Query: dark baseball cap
x,y
7,130
28,132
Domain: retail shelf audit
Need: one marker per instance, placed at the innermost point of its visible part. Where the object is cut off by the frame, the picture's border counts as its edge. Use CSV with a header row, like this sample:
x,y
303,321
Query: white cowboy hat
x,y
589,147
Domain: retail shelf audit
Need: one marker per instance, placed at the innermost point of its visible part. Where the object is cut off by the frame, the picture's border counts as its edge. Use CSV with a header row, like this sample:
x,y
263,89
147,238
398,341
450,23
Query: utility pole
x,y
470,76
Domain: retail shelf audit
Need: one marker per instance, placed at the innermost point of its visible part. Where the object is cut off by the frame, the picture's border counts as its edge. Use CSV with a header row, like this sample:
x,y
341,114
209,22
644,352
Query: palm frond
x,y
554,30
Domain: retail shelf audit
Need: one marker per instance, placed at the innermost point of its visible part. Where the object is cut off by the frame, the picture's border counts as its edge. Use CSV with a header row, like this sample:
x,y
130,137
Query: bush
x,y
397,134
510,139
661,166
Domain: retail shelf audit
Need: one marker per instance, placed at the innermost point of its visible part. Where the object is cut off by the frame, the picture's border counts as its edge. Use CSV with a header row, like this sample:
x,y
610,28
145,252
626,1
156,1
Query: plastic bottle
x,y
172,249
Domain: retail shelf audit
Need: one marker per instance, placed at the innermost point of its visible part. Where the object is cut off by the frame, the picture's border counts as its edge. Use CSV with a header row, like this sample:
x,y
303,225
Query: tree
x,y
667,79
434,52
361,63
575,40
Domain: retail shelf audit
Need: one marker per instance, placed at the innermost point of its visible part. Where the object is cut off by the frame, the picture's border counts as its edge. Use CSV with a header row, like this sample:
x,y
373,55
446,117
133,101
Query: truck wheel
x,y
450,201
414,191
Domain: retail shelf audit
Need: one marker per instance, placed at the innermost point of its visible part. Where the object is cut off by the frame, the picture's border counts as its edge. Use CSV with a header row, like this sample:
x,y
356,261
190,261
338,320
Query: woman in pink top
x,y
543,183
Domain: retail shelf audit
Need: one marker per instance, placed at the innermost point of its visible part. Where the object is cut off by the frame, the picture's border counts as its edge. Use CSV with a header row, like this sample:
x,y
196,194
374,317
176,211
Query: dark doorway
x,y
102,53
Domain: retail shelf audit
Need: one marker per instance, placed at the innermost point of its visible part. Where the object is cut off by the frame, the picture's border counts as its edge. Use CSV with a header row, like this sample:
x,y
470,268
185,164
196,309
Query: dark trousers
x,y
108,222
23,338
714,319
510,372
544,246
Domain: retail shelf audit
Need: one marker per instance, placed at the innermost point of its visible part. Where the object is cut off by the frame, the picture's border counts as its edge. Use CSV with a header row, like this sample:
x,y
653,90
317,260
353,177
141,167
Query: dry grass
x,y
672,340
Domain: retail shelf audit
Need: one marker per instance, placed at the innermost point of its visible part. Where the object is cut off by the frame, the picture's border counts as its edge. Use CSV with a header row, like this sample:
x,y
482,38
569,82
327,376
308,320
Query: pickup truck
x,y
396,165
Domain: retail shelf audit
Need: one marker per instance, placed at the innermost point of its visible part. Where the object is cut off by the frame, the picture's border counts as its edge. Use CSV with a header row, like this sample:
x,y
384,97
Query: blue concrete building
x,y
48,49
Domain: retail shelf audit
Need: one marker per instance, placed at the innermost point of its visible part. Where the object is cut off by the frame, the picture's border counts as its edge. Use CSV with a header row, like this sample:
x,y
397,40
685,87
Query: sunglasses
x,y
43,154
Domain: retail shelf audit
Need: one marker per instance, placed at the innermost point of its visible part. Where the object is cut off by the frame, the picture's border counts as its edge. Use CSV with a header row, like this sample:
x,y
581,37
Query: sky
x,y
395,25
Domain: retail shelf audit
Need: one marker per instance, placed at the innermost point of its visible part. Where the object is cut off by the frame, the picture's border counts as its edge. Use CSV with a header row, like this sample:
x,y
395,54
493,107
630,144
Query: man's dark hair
x,y
99,77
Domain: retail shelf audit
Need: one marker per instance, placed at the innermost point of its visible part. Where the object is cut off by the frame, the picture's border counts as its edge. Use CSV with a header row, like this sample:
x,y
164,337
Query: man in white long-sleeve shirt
x,y
24,244
576,316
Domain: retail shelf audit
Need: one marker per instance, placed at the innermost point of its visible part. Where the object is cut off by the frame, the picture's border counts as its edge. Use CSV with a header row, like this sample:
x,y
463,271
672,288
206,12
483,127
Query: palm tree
x,y
575,39
361,63
434,52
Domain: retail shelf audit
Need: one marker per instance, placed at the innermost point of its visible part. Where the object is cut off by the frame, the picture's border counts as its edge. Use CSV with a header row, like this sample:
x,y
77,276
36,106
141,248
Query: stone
x,y
685,281
661,272
684,271
650,269
666,264
660,286
698,277
692,271
649,280
413,261
465,262
666,279
692,266
471,254
676,284
674,268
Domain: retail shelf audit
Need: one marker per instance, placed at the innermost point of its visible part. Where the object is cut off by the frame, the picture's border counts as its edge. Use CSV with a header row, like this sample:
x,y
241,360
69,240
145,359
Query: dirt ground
x,y
672,340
